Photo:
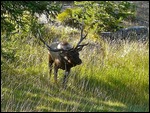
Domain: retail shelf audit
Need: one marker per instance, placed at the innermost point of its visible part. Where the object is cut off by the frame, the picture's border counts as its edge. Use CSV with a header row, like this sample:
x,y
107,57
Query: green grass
x,y
115,81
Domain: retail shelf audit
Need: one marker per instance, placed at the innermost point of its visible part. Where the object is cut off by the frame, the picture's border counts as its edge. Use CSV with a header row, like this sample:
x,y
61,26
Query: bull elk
x,y
64,56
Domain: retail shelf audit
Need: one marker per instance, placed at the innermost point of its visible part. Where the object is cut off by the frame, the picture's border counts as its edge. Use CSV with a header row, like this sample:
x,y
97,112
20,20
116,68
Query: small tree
x,y
98,15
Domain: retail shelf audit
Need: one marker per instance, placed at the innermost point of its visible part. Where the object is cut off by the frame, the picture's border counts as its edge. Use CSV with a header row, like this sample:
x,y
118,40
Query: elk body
x,y
63,56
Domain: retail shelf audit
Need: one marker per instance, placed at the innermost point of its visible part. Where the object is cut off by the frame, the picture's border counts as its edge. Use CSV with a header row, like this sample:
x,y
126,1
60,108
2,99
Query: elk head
x,y
64,56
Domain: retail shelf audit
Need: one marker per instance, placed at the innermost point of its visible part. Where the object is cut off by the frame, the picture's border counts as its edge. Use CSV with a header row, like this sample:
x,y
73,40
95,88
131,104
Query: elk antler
x,y
48,47
81,39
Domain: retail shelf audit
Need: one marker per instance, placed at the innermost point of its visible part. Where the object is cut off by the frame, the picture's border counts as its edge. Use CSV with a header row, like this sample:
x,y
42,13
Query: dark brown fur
x,y
63,60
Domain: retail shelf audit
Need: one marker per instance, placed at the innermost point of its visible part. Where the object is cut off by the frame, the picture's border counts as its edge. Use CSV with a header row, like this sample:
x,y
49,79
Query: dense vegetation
x,y
99,16
113,76
21,15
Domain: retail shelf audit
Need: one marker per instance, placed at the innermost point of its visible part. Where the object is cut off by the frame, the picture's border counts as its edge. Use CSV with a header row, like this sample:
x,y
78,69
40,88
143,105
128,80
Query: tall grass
x,y
111,78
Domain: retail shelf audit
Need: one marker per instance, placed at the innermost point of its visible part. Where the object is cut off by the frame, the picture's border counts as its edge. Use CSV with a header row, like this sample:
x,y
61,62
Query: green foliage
x,y
98,15
13,13
68,17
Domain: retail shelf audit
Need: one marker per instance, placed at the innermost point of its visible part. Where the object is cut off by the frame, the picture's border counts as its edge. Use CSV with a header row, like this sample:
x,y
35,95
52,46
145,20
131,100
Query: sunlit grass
x,y
115,79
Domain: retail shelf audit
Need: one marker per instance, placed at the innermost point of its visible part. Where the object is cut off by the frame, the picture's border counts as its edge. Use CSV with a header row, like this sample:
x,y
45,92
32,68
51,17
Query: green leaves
x,y
13,14
99,15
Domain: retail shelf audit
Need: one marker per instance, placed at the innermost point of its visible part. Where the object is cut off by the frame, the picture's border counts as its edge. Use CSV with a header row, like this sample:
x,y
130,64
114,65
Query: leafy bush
x,y
99,16
13,13
68,17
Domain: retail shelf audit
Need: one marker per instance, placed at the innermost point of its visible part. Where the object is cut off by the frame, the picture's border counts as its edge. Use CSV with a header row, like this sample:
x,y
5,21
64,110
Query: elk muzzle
x,y
72,57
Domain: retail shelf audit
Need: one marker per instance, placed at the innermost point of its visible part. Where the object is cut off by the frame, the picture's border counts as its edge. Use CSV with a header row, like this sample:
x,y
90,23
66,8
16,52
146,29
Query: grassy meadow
x,y
114,77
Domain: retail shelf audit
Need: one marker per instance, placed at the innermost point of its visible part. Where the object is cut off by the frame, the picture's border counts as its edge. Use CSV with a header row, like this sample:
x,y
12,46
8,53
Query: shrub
x,y
99,16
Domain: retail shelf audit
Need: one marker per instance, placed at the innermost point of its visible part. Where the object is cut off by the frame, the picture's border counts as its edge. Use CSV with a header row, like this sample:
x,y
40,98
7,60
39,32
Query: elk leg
x,y
65,80
50,68
55,73
50,64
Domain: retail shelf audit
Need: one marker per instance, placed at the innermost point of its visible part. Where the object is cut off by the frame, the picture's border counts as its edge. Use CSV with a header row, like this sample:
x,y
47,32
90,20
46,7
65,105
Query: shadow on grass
x,y
33,92
114,91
